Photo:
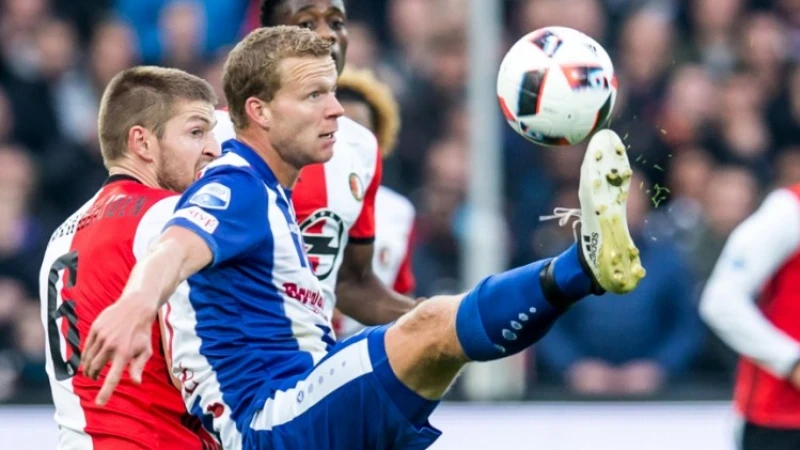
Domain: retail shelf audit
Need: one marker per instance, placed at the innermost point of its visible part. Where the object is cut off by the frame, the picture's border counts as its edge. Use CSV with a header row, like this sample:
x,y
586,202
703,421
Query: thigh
x,y
755,437
342,403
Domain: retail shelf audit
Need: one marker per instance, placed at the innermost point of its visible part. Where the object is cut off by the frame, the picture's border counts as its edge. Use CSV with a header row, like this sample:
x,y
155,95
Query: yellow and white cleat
x,y
605,241
607,250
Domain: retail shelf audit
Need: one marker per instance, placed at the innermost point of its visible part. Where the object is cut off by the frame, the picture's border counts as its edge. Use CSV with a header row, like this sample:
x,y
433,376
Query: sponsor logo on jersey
x,y
323,232
197,216
356,186
212,196
310,298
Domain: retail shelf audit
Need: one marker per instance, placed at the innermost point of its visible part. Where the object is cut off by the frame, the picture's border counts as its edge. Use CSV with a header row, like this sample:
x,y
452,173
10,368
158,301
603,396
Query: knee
x,y
432,326
426,316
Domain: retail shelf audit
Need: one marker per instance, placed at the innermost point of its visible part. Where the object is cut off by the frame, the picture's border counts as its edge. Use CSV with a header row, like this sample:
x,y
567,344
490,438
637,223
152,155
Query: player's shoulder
x,y
128,203
154,204
351,130
164,206
70,224
792,190
358,140
776,219
151,195
390,200
782,200
780,209
228,165
227,176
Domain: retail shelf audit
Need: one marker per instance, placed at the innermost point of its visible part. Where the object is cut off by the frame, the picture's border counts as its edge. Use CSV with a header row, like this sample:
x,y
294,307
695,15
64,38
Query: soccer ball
x,y
556,86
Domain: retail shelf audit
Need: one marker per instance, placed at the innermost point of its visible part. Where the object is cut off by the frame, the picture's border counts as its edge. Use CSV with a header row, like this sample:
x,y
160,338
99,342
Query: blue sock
x,y
570,276
508,312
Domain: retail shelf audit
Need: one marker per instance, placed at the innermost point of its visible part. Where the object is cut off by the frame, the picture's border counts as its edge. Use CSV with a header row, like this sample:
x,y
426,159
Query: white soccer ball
x,y
556,86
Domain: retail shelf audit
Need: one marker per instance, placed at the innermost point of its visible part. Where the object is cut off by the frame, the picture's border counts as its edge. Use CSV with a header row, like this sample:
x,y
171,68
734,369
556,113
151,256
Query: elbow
x,y
707,308
351,274
344,286
714,304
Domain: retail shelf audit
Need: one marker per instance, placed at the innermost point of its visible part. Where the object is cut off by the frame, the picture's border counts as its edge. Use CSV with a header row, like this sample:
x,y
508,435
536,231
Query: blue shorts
x,y
350,400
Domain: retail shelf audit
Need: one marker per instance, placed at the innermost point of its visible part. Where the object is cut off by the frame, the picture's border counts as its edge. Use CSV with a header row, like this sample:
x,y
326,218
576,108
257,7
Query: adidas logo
x,y
590,245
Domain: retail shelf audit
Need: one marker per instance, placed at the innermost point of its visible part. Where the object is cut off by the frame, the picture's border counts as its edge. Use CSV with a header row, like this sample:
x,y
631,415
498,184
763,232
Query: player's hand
x,y
120,334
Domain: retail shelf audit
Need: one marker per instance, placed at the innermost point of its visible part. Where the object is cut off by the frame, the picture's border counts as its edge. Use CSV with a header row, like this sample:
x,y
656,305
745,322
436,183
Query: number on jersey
x,y
58,308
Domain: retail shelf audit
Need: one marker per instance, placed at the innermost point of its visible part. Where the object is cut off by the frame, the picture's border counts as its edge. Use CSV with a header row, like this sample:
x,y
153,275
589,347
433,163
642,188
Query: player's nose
x,y
326,32
335,109
212,149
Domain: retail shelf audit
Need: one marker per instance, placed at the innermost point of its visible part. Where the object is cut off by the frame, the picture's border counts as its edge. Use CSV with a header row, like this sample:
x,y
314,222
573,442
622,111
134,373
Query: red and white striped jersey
x,y
394,218
752,301
85,268
334,201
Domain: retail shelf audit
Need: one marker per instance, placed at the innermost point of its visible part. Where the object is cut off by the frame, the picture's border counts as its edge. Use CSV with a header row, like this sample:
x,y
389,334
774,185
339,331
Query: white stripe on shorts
x,y
338,370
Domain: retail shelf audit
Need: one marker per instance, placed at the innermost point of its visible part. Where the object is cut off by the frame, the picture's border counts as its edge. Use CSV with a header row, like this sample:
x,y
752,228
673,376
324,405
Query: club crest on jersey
x,y
212,196
356,186
323,232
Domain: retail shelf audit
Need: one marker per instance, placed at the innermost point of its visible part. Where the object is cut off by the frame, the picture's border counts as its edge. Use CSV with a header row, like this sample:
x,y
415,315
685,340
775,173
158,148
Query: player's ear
x,y
140,143
258,112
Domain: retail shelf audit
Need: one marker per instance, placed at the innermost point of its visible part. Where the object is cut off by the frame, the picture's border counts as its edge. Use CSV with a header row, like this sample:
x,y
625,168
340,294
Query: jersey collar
x,y
120,177
255,161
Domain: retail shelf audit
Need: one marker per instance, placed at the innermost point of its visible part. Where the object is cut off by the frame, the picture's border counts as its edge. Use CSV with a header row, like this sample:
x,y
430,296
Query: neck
x,y
127,167
259,142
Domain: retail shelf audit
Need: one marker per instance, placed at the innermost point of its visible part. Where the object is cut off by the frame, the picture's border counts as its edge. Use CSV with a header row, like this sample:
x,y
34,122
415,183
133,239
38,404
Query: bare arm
x,y
361,295
178,254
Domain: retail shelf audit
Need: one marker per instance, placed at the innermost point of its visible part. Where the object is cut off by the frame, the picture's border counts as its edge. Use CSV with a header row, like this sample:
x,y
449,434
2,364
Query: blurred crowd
x,y
709,105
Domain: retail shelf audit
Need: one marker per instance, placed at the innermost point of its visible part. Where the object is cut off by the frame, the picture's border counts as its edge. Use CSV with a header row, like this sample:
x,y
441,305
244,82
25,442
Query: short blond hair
x,y
252,67
144,96
364,86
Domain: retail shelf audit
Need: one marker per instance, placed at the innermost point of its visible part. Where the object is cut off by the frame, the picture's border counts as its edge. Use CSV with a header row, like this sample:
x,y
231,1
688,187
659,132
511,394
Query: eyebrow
x,y
202,119
327,11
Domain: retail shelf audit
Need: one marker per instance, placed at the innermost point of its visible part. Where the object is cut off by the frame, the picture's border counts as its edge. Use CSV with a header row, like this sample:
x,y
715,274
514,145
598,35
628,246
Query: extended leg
x,y
508,312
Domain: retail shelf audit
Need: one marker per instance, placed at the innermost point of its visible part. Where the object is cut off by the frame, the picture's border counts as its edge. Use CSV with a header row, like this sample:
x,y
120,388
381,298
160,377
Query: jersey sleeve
x,y
227,209
754,251
363,230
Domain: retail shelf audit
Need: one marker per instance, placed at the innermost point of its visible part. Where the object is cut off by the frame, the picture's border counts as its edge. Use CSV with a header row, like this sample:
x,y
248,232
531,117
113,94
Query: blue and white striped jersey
x,y
255,315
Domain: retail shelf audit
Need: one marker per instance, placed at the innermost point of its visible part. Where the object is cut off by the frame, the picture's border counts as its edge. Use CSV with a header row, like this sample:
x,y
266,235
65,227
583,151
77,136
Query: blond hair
x,y
252,67
363,84
143,96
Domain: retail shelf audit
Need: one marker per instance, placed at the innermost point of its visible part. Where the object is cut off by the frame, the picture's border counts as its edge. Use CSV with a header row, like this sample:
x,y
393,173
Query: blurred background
x,y
709,104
